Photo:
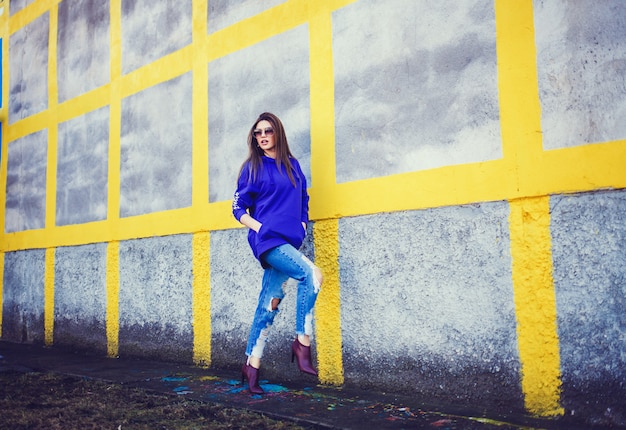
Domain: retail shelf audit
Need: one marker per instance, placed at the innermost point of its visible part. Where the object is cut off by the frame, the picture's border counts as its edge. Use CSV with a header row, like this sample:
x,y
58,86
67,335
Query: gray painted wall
x,y
155,298
151,31
23,299
589,239
429,300
80,297
417,94
155,170
82,70
83,168
581,67
28,69
26,183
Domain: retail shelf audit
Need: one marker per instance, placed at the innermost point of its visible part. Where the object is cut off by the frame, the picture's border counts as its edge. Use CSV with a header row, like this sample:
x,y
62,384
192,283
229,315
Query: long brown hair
x,y
255,153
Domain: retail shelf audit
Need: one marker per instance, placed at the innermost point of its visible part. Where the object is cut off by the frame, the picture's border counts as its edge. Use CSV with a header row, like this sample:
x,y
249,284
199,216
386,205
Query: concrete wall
x,y
466,171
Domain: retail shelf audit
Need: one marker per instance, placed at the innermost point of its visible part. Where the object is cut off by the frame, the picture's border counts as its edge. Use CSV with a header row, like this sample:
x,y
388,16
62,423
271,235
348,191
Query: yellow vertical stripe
x,y
520,117
48,297
113,298
518,88
115,115
328,305
201,299
323,190
322,107
535,305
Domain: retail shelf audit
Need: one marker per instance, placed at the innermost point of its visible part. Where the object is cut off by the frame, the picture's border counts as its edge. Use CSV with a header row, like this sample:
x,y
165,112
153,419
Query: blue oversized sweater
x,y
272,199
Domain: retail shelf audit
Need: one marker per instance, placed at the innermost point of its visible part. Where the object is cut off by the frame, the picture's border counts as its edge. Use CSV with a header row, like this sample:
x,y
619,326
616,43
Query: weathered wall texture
x,y
432,297
423,95
589,237
466,168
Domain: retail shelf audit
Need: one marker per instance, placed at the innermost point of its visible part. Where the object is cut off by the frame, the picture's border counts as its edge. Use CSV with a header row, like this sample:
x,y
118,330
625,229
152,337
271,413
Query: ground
x,y
49,401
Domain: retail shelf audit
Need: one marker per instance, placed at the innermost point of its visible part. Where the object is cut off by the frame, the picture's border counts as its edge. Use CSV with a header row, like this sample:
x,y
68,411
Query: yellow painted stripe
x,y
323,177
535,305
518,88
529,220
328,306
201,241
168,67
48,310
201,299
84,103
113,298
326,232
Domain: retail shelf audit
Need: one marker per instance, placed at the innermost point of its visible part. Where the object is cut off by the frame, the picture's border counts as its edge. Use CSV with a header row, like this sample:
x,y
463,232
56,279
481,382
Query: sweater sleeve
x,y
244,195
305,195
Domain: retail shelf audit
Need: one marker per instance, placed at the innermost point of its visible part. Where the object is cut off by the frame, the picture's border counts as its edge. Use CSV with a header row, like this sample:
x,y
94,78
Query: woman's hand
x,y
250,222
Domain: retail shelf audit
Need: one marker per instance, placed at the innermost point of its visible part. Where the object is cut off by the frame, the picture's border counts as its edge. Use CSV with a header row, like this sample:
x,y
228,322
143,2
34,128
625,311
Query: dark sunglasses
x,y
268,132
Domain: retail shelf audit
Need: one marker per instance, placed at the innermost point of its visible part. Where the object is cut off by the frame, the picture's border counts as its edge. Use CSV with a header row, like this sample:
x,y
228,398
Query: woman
x,y
272,201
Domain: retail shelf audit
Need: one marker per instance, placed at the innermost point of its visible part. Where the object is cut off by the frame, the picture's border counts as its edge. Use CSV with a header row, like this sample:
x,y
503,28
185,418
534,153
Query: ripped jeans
x,y
285,262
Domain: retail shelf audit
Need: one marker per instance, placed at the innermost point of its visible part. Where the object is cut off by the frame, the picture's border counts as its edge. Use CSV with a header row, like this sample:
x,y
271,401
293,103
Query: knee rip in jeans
x,y
274,304
319,278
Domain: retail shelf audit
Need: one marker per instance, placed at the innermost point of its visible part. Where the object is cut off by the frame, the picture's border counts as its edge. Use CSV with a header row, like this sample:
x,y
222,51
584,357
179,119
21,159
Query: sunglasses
x,y
268,132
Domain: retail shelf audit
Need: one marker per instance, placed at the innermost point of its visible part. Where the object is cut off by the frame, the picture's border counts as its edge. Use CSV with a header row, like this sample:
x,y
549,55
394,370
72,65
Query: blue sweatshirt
x,y
272,200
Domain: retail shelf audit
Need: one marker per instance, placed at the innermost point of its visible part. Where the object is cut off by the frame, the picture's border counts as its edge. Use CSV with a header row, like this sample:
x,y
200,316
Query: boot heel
x,y
303,354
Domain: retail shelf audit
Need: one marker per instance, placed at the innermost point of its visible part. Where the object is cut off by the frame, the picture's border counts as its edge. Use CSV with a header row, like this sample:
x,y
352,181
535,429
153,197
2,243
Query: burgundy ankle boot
x,y
303,354
252,375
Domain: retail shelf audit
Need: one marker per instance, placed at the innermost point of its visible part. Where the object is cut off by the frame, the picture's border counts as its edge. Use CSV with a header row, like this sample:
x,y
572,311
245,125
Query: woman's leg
x,y
292,263
296,265
271,295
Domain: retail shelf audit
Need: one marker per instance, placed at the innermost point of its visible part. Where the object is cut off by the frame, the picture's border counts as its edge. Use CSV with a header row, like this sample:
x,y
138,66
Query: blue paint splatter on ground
x,y
174,379
179,389
273,388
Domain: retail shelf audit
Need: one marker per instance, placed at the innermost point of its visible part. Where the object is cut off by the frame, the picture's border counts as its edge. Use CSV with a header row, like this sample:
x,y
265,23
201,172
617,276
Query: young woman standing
x,y
273,202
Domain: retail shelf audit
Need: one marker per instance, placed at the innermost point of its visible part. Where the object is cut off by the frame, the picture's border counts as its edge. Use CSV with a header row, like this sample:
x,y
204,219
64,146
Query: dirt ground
x,y
52,401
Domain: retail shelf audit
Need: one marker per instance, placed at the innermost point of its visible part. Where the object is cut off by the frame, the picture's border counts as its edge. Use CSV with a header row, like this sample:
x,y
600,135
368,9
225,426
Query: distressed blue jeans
x,y
284,262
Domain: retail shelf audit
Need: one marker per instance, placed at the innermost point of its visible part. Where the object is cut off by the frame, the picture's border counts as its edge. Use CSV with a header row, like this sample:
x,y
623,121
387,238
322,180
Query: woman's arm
x,y
250,222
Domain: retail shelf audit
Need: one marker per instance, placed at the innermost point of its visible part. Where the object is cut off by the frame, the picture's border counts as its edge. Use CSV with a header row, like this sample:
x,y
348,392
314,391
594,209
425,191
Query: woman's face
x,y
264,134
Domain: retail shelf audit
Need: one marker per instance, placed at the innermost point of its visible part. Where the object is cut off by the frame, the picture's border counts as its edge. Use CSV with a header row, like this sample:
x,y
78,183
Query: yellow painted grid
x,y
525,171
